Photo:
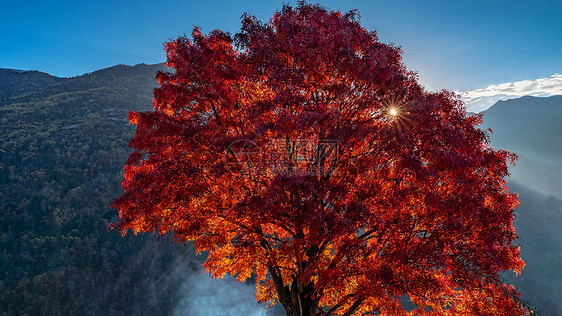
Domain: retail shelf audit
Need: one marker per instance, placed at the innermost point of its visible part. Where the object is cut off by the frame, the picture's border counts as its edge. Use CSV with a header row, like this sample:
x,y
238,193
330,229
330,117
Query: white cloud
x,y
480,99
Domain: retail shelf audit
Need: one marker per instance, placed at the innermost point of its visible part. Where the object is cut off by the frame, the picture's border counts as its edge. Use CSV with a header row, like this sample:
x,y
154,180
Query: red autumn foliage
x,y
408,203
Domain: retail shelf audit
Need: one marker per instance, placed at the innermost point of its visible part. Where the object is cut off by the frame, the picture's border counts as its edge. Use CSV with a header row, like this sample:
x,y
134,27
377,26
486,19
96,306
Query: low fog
x,y
200,295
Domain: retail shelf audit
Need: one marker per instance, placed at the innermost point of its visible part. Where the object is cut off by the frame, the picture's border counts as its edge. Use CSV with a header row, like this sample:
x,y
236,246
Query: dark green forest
x,y
17,82
63,144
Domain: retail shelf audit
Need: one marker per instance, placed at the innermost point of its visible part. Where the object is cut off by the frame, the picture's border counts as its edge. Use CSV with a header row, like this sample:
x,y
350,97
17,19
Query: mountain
x,y
530,127
63,145
15,82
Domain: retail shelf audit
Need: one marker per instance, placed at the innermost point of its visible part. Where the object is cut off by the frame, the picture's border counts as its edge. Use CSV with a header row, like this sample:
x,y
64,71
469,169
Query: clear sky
x,y
454,44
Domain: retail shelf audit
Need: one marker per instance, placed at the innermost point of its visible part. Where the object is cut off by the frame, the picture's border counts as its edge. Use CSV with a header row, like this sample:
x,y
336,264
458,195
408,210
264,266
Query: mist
x,y
200,295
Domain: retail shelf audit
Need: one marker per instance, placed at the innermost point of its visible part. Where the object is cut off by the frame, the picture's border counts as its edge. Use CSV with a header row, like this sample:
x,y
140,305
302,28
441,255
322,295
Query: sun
x,y
396,111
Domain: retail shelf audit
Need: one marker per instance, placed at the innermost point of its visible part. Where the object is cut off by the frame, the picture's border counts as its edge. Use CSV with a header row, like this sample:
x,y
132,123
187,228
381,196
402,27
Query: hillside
x,y
16,82
530,127
62,150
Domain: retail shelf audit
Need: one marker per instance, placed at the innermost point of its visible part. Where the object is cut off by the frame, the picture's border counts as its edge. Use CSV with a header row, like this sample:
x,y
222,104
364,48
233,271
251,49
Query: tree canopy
x,y
301,152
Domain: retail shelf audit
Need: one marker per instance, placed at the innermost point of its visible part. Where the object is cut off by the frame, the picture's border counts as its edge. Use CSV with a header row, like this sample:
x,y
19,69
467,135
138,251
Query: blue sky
x,y
456,45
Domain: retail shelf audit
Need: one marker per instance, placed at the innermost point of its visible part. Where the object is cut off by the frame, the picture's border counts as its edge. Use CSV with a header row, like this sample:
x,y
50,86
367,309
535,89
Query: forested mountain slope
x,y
63,147
16,82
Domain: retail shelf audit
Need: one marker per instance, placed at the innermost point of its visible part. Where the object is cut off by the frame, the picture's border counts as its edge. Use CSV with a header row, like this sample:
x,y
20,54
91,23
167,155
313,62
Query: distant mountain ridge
x,y
17,70
531,128
527,104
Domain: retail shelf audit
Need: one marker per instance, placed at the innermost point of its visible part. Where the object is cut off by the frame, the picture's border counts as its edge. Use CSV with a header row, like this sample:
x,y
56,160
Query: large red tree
x,y
303,153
